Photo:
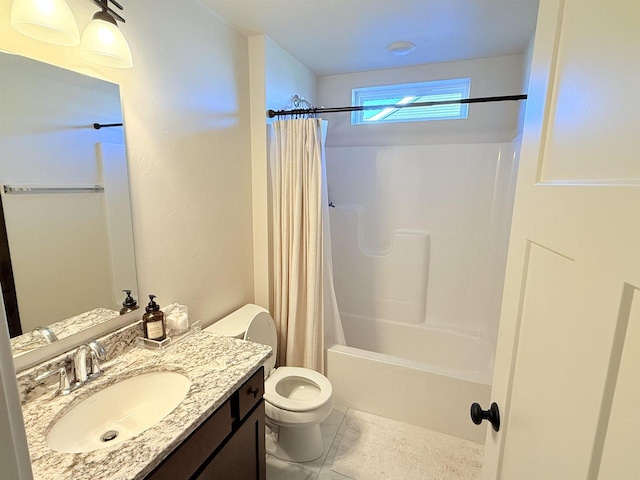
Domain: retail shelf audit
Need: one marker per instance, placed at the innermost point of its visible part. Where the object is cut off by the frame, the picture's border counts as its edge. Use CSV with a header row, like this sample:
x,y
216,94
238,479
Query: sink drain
x,y
110,435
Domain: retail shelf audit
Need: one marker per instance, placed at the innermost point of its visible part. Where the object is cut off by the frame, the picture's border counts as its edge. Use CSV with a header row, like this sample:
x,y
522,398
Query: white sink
x,y
118,412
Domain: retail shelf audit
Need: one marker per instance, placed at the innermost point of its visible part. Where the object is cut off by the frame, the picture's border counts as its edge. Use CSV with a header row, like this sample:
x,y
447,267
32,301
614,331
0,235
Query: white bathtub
x,y
412,373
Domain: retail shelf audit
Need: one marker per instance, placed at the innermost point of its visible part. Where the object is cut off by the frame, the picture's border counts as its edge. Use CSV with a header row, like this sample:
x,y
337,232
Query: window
x,y
435,91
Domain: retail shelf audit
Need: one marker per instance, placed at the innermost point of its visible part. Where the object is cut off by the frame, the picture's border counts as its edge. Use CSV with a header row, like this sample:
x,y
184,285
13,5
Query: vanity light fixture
x,y
50,21
102,41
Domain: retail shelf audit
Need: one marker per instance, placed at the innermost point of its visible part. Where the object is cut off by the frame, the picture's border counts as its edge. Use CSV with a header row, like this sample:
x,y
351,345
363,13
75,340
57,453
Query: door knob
x,y
493,415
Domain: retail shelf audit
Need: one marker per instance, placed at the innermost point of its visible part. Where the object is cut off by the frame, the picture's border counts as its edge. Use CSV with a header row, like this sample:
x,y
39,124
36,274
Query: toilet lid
x,y
262,330
272,396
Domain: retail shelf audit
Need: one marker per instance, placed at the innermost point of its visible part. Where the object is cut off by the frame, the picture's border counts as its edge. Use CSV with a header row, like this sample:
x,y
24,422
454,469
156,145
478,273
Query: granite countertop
x,y
62,329
216,366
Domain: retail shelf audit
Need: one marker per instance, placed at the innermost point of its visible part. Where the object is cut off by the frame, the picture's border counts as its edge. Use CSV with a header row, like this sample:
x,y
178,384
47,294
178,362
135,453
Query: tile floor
x,y
319,469
333,429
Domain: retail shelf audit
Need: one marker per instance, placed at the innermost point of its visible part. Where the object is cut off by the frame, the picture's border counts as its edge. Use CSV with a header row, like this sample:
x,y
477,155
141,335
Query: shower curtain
x,y
304,306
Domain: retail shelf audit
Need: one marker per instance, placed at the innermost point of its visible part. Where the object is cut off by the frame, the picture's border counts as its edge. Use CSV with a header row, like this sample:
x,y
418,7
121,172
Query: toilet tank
x,y
235,324
253,323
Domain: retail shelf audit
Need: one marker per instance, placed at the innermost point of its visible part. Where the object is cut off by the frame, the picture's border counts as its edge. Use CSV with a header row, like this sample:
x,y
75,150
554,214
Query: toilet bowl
x,y
296,399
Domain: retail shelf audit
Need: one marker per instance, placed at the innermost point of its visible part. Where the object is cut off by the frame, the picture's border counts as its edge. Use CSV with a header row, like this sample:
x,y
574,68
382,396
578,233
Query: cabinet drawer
x,y
250,393
197,448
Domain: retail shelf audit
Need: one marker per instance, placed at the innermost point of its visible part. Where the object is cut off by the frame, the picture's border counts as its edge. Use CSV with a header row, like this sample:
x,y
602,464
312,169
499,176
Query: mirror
x,y
66,239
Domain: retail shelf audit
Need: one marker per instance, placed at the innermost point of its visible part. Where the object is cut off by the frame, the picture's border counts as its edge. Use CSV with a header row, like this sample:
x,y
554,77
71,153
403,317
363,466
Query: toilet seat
x,y
316,379
261,329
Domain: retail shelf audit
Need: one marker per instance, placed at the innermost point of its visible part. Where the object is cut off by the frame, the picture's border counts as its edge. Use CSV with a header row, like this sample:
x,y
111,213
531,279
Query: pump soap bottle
x,y
129,304
153,321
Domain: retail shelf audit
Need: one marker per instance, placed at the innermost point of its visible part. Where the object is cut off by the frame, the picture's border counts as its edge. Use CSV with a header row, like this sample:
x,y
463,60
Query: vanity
x,y
215,432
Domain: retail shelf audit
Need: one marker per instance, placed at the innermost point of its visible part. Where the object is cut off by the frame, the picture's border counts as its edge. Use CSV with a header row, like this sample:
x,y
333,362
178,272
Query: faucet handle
x,y
64,386
98,349
97,353
96,371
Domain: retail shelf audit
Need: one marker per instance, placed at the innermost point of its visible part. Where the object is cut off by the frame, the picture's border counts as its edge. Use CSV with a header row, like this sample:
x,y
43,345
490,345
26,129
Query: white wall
x,y
488,122
186,115
286,77
420,228
276,77
526,71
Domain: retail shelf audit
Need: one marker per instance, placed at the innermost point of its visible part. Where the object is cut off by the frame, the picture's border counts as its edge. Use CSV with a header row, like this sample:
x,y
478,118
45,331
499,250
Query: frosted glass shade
x,y
103,43
50,21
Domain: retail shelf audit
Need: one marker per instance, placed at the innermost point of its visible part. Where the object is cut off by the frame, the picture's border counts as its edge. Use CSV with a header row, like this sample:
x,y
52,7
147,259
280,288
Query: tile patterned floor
x,y
319,469
333,429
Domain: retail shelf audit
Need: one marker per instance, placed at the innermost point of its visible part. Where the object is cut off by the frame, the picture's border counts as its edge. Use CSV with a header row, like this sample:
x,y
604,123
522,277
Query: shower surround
x,y
419,243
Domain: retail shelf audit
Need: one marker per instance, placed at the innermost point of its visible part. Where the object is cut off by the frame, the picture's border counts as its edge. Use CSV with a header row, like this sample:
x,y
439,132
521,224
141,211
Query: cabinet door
x,y
187,459
243,456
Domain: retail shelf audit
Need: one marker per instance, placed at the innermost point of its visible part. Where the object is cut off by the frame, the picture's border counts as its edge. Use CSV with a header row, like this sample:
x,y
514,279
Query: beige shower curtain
x,y
296,181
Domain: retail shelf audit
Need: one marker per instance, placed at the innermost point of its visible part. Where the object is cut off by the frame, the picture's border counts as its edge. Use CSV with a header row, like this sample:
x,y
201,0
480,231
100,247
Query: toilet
x,y
296,399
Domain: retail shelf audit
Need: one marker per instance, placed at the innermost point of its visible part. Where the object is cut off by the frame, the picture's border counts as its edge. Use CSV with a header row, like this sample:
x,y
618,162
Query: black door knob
x,y
493,415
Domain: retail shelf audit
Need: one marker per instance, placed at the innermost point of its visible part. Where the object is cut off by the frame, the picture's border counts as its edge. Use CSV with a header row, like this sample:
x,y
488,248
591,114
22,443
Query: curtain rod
x,y
359,108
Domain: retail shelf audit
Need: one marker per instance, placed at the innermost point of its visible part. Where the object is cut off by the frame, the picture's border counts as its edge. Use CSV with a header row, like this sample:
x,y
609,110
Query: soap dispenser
x,y
129,304
153,321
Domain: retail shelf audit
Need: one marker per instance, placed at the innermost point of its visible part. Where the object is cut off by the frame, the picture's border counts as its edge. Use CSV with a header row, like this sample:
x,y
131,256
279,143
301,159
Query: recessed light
x,y
401,48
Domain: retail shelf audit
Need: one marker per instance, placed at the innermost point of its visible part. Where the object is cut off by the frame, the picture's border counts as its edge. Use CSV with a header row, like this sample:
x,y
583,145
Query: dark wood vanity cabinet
x,y
229,445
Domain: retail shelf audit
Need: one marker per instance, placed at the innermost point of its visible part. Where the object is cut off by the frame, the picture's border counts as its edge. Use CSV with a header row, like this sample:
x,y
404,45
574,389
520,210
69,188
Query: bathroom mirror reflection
x,y
66,237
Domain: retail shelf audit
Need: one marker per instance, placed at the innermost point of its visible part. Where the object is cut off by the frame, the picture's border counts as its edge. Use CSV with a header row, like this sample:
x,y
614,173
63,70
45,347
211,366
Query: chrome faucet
x,y
47,333
86,361
79,369
80,363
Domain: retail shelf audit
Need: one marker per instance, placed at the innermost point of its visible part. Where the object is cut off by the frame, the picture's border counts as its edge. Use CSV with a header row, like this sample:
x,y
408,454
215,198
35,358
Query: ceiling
x,y
341,36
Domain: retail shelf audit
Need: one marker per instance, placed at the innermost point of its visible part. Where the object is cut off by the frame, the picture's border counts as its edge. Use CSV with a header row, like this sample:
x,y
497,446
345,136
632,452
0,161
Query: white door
x,y
567,375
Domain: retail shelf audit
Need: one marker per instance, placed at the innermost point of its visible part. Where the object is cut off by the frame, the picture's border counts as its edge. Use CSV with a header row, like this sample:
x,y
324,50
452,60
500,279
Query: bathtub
x,y
415,373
